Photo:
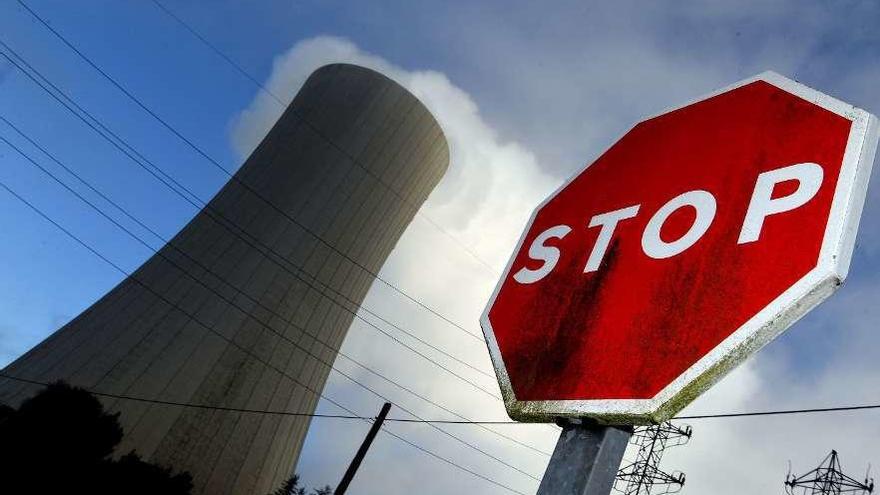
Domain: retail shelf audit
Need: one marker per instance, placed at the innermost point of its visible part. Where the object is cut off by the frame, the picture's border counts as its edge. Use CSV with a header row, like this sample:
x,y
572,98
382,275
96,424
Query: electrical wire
x,y
232,176
193,317
501,435
170,182
778,412
450,462
724,415
167,242
267,327
191,405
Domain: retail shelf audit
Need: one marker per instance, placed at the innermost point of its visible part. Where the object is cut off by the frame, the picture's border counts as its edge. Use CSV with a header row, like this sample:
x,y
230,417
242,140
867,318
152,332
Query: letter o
x,y
657,248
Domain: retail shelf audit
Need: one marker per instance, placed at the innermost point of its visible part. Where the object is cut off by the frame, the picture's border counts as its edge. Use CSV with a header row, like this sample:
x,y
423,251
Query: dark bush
x,y
61,440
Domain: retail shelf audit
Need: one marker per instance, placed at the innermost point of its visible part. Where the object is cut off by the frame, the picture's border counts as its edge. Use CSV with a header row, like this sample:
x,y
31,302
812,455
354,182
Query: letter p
x,y
809,178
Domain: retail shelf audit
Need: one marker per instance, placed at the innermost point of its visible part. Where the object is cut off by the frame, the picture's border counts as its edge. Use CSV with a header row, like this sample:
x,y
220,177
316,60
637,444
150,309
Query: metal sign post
x,y
586,459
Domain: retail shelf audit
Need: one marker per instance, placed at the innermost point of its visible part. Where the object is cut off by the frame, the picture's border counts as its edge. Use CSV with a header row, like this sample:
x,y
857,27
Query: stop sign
x,y
694,240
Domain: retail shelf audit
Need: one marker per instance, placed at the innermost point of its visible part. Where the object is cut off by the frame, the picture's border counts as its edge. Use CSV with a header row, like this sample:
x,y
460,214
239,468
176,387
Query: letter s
x,y
548,254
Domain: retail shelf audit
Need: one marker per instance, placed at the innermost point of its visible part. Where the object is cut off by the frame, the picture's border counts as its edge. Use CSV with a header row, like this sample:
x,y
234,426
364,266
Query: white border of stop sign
x,y
782,312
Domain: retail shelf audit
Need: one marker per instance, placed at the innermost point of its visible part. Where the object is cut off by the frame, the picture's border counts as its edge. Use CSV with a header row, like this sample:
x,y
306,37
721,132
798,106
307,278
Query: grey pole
x,y
362,451
586,459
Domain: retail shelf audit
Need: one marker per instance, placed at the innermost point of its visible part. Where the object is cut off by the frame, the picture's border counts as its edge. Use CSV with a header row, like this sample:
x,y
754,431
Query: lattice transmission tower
x,y
829,479
644,476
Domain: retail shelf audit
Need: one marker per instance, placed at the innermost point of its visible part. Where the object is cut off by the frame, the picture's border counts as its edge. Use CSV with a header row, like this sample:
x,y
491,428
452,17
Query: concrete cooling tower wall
x,y
248,305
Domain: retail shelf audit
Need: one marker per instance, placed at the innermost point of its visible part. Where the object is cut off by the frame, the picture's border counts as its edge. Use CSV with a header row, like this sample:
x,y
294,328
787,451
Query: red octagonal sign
x,y
693,241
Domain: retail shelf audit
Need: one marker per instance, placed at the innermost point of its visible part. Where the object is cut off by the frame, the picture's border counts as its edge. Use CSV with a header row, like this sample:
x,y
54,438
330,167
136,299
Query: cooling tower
x,y
247,306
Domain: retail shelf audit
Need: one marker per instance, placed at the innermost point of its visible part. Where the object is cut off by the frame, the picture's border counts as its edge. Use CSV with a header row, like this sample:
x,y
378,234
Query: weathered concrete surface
x,y
265,337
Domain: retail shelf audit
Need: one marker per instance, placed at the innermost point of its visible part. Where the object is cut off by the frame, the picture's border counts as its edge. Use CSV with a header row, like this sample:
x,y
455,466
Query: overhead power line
x,y
287,320
201,203
781,412
451,462
443,421
191,405
256,411
232,176
207,327
269,252
467,421
134,236
275,207
398,385
727,415
762,413
279,334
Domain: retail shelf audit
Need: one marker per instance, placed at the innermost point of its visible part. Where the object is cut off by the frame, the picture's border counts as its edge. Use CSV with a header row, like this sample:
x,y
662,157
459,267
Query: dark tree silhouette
x,y
150,479
61,440
5,413
291,487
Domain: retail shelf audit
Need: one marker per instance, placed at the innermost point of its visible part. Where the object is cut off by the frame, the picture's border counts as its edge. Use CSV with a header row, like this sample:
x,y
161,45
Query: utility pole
x,y
362,451
644,476
827,479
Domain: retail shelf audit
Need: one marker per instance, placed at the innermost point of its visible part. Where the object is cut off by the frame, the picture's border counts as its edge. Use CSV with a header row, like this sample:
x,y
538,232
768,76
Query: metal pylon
x,y
644,476
828,478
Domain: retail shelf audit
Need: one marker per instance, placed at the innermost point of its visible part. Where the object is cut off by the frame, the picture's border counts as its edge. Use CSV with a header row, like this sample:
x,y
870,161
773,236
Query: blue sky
x,y
538,91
